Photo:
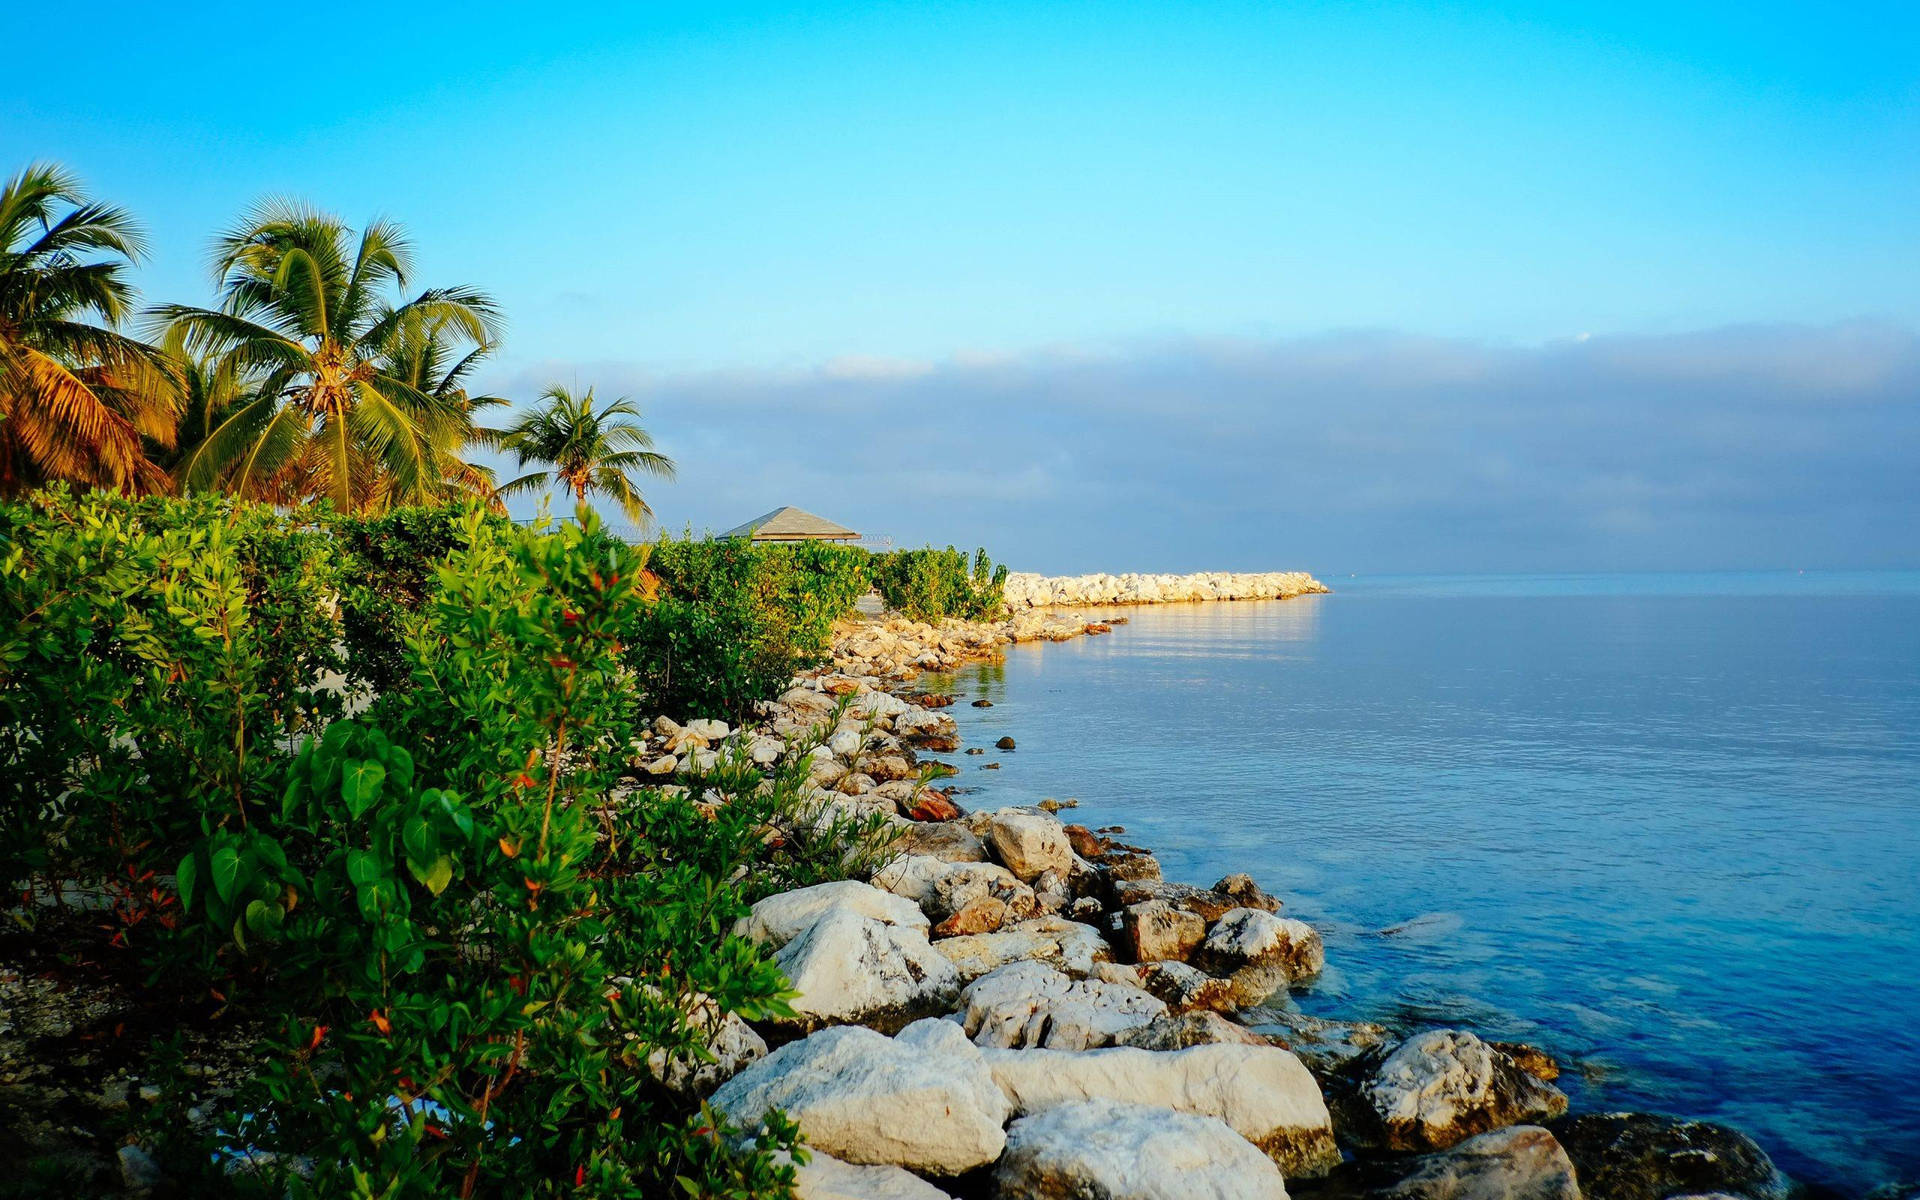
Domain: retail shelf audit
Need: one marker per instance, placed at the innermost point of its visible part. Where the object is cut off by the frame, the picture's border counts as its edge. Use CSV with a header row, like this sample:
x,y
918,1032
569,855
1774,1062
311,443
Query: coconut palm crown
x,y
588,449
79,401
310,316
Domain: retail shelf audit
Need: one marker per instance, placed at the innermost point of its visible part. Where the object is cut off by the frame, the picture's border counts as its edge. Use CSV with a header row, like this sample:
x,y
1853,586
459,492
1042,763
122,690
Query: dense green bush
x,y
462,933
930,584
388,571
155,658
735,621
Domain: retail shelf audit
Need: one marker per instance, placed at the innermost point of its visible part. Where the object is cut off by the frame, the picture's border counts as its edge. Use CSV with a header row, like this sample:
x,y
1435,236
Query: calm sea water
x,y
1662,825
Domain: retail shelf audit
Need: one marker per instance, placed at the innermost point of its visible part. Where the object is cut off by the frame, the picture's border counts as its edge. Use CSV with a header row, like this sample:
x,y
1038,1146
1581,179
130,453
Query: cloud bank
x,y
1744,447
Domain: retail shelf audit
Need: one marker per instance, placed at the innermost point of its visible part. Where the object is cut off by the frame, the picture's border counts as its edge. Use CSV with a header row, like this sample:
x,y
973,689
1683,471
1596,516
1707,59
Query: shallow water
x,y
1662,825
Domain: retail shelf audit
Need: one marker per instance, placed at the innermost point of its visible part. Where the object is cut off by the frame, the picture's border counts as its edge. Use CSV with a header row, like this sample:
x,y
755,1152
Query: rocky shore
x,y
1026,591
1005,1004
1010,1005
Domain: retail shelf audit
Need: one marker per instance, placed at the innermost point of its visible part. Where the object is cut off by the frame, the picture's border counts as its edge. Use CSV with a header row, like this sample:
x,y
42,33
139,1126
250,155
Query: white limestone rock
x,y
1262,1092
1107,1150
924,1101
1030,842
1065,945
1443,1086
852,969
779,919
1031,1004
825,1177
731,1043
1260,953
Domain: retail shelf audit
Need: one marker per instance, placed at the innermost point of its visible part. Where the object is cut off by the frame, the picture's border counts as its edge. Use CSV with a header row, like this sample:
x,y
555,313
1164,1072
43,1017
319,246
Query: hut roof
x,y
790,524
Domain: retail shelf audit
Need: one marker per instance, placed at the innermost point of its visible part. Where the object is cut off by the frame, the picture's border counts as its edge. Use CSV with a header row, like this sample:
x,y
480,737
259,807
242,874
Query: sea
x,y
1665,826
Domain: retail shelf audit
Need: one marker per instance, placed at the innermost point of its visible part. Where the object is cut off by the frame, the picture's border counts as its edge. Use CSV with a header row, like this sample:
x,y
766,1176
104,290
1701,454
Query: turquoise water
x,y
1663,825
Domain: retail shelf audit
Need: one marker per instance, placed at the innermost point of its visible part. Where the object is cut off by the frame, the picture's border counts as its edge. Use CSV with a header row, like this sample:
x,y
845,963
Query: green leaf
x,y
226,872
363,867
360,785
439,876
422,843
183,880
263,918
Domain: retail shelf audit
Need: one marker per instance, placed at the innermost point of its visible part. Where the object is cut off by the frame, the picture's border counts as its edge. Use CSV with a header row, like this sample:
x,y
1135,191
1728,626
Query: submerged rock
x,y
1443,1086
924,1100
1106,1150
1262,1092
1639,1156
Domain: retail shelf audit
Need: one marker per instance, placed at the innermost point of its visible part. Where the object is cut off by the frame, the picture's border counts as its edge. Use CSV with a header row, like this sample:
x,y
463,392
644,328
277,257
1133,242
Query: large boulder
x,y
1522,1162
1639,1156
779,919
1206,903
1155,931
851,969
827,1178
1108,1150
1065,945
1261,1092
1030,842
1260,953
925,1100
942,888
1031,1004
1443,1086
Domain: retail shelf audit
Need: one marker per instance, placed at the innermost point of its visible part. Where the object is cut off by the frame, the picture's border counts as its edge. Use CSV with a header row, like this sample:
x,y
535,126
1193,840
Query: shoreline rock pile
x,y
1027,591
1013,1006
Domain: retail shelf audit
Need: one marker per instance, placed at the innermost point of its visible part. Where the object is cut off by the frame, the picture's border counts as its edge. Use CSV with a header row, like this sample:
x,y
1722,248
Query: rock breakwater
x,y
1026,590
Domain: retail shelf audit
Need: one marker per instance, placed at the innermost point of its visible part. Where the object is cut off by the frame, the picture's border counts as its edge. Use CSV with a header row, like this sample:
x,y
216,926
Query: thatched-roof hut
x,y
791,524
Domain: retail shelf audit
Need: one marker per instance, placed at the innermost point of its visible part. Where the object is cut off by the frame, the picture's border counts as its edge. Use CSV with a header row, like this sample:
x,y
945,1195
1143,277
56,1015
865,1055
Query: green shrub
x,y
474,947
462,930
736,621
930,584
388,571
155,658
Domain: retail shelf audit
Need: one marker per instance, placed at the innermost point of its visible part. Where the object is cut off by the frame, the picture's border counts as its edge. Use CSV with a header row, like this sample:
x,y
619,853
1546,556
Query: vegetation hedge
x,y
735,621
929,584
454,937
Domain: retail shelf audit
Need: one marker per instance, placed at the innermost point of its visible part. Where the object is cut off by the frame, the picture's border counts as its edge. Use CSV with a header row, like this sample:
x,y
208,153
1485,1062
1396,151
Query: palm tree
x,y
428,357
589,450
77,399
308,313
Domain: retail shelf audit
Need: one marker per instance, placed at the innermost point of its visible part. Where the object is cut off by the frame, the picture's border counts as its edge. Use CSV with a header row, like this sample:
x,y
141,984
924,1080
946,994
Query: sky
x,y
1343,287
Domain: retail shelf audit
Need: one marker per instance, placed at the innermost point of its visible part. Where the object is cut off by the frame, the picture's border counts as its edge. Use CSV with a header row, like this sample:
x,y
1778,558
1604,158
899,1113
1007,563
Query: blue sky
x,y
680,200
